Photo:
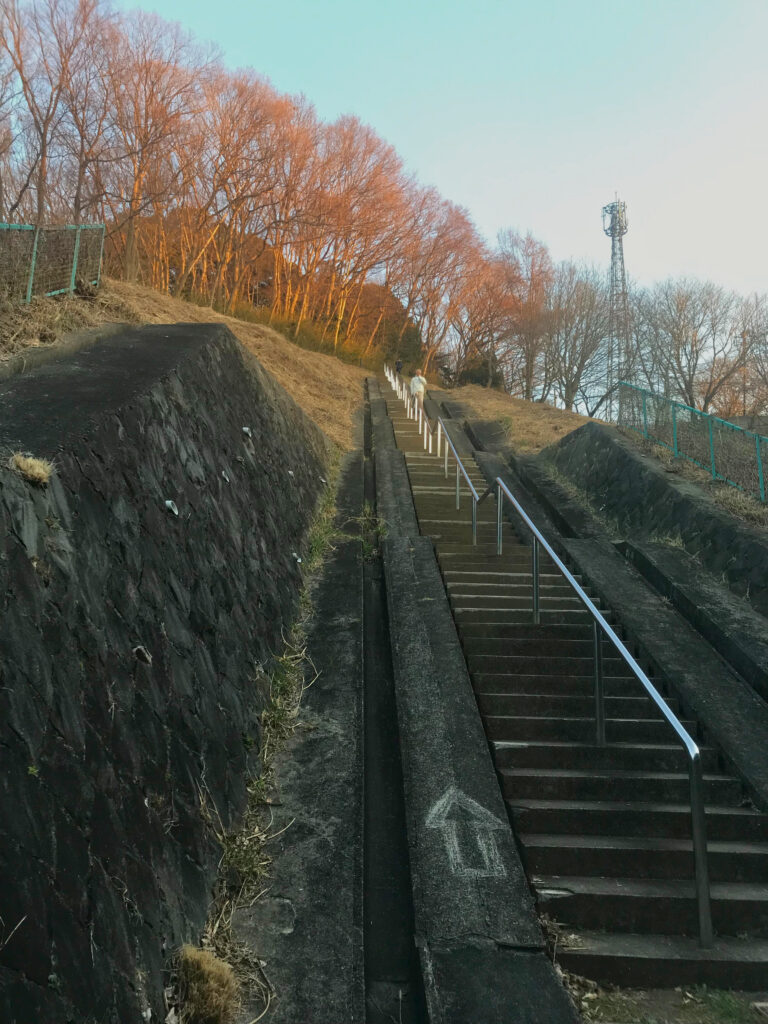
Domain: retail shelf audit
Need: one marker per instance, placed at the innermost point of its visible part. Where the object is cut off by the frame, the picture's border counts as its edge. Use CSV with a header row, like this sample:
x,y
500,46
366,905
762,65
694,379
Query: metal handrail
x,y
460,471
413,410
427,429
601,626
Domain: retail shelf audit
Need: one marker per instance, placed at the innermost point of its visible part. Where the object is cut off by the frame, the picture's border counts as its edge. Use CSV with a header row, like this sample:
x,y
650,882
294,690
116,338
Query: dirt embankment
x,y
529,426
327,390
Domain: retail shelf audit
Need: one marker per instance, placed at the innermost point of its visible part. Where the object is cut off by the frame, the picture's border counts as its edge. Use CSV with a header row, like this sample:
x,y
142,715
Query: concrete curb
x,y
480,943
394,504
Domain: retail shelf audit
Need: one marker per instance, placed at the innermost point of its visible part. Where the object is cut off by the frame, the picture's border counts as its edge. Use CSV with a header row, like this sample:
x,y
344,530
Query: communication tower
x,y
616,225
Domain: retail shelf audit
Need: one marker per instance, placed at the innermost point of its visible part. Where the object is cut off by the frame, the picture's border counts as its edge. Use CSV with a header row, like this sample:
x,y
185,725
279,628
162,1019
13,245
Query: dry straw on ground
x,y
208,989
36,471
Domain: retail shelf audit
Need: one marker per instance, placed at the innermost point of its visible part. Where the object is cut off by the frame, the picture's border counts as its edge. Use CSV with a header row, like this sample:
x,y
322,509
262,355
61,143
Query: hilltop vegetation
x,y
217,188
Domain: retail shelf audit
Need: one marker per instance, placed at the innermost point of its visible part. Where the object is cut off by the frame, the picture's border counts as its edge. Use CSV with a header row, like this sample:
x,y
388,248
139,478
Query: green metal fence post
x,y
674,430
101,254
645,415
75,255
760,476
712,449
32,264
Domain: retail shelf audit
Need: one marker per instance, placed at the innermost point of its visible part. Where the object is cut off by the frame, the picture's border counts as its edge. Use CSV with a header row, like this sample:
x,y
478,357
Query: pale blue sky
x,y
531,115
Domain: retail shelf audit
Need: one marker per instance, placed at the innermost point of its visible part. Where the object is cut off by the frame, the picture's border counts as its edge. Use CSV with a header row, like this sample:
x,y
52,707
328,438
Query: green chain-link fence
x,y
48,261
728,452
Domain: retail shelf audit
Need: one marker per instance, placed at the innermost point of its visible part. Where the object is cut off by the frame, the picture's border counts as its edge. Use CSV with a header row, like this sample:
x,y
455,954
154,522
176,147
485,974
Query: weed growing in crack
x,y
245,861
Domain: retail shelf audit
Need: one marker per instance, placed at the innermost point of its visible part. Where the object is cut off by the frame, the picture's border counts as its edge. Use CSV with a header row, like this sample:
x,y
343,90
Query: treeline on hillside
x,y
215,186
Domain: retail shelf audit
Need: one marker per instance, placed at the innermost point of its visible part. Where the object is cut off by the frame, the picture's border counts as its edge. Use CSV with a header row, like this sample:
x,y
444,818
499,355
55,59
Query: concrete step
x,y
452,530
438,521
556,706
644,818
483,554
525,631
494,565
436,506
513,645
667,757
511,574
666,961
662,906
547,602
517,616
614,785
641,857
550,585
579,730
554,685
432,470
544,664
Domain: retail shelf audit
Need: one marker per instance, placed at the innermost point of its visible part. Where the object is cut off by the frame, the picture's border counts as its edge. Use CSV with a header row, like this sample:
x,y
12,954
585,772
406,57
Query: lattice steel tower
x,y
616,225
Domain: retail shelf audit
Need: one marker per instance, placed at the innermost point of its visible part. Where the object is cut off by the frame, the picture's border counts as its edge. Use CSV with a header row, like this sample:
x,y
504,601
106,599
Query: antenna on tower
x,y
616,225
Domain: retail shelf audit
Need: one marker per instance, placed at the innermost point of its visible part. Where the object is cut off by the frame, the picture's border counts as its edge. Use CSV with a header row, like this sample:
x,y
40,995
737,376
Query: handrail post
x,y
430,442
599,688
699,836
474,520
535,578
499,517
446,458
458,499
439,437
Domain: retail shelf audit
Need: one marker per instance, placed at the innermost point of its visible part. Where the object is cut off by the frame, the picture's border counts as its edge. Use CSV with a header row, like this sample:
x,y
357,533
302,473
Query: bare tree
x,y
530,273
577,330
40,41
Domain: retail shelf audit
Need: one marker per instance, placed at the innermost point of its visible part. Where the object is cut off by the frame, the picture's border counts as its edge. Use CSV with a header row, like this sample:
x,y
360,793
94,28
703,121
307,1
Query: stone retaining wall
x,y
133,648
646,501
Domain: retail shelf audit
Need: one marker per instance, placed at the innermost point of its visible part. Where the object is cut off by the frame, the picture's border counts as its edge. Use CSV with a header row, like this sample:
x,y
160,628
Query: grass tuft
x,y
208,989
35,471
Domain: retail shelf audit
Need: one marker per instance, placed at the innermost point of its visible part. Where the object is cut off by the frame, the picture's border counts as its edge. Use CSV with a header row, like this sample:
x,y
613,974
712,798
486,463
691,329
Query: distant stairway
x,y
605,832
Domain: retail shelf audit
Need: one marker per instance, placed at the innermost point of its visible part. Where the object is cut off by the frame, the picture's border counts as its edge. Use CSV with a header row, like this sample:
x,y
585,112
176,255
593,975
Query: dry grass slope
x,y
326,389
530,426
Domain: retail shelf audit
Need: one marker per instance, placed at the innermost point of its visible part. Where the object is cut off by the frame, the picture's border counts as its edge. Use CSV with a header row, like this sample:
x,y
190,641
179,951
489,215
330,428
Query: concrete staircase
x,y
604,831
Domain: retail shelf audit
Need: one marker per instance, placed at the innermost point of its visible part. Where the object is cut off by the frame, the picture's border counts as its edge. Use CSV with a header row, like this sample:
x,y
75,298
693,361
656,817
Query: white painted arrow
x,y
468,833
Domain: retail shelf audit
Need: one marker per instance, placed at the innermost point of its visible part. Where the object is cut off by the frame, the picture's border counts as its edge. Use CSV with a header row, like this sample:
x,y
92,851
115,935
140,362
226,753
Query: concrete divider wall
x,y
133,648
645,499
481,948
